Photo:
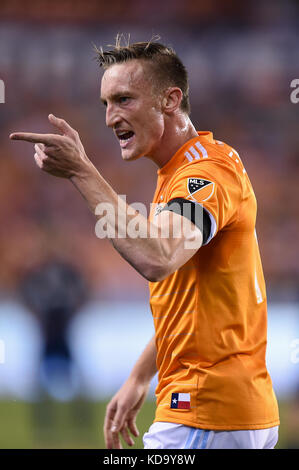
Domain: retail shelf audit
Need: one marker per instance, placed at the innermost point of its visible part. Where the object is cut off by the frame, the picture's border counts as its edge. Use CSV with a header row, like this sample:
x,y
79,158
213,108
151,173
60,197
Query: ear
x,y
172,99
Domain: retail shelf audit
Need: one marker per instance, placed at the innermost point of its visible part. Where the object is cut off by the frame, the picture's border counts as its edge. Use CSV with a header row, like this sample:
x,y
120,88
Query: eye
x,y
123,99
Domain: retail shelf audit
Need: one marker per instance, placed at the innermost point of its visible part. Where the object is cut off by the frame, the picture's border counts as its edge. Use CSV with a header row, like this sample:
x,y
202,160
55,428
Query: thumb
x,y
61,124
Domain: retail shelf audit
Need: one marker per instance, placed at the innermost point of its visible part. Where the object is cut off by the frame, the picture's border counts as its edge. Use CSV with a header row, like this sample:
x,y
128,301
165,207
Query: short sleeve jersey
x,y
210,315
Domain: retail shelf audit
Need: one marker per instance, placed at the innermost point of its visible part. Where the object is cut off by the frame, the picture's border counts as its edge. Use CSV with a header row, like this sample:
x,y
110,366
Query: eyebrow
x,y
116,96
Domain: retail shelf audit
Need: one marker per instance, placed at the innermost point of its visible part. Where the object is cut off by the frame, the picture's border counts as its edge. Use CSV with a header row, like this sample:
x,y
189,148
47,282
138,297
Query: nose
x,y
112,117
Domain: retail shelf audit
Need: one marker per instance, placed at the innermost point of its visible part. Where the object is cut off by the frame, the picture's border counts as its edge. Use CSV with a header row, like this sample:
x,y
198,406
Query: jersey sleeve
x,y
214,186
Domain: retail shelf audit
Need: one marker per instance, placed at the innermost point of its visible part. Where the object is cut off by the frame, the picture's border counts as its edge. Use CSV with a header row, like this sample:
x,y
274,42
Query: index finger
x,y
35,138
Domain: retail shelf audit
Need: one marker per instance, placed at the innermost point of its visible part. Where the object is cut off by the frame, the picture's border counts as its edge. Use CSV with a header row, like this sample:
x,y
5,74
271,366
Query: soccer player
x,y
207,290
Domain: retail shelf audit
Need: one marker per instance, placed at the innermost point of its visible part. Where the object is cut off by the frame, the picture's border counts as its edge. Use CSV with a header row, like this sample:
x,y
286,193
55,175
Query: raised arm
x,y
154,257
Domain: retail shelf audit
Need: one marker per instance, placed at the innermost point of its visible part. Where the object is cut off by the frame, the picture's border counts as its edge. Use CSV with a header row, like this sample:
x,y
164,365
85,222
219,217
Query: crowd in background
x,y
240,64
241,58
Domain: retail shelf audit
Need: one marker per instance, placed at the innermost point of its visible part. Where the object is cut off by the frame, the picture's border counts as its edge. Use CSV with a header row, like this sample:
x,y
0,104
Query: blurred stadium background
x,y
73,314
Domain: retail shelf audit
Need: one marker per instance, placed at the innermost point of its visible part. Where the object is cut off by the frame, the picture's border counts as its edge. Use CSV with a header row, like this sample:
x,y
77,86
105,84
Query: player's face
x,y
133,110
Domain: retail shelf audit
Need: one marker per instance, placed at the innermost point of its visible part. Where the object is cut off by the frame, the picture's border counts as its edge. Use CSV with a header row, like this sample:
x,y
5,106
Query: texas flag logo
x,y
180,401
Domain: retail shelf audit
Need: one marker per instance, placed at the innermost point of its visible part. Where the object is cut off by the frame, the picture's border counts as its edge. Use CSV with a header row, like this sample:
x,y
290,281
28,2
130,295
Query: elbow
x,y
156,273
159,266
155,277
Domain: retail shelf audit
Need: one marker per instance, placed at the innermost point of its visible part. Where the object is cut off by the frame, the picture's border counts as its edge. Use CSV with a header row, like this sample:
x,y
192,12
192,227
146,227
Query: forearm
x,y
154,254
146,254
145,368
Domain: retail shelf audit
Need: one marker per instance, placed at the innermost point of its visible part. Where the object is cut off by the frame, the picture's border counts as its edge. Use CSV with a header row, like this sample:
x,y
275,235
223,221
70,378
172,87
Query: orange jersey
x,y
210,316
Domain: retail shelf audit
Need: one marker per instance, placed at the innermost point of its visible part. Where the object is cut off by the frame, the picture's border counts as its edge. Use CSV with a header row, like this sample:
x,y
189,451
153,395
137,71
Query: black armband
x,y
195,212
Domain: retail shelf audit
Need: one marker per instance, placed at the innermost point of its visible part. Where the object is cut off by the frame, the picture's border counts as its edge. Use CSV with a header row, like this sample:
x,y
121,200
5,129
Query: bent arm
x,y
154,257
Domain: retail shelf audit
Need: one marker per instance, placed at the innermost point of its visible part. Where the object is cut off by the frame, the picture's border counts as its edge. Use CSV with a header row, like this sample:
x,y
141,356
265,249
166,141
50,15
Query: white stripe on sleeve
x,y
202,149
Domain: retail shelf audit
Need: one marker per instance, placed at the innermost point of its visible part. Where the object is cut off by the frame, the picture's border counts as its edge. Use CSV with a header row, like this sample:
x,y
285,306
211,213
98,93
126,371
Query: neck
x,y
175,135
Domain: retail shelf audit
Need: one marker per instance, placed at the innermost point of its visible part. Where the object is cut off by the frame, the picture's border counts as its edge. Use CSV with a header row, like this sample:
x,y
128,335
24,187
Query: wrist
x,y
85,172
139,380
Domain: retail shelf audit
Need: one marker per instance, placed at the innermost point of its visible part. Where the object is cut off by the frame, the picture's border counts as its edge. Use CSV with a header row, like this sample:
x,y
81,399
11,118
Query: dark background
x,y
241,57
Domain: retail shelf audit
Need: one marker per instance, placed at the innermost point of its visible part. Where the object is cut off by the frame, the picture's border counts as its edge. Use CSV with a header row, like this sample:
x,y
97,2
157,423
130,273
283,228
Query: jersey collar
x,y
179,157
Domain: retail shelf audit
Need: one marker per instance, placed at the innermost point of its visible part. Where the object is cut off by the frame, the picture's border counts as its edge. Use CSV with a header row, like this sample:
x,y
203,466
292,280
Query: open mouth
x,y
125,137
